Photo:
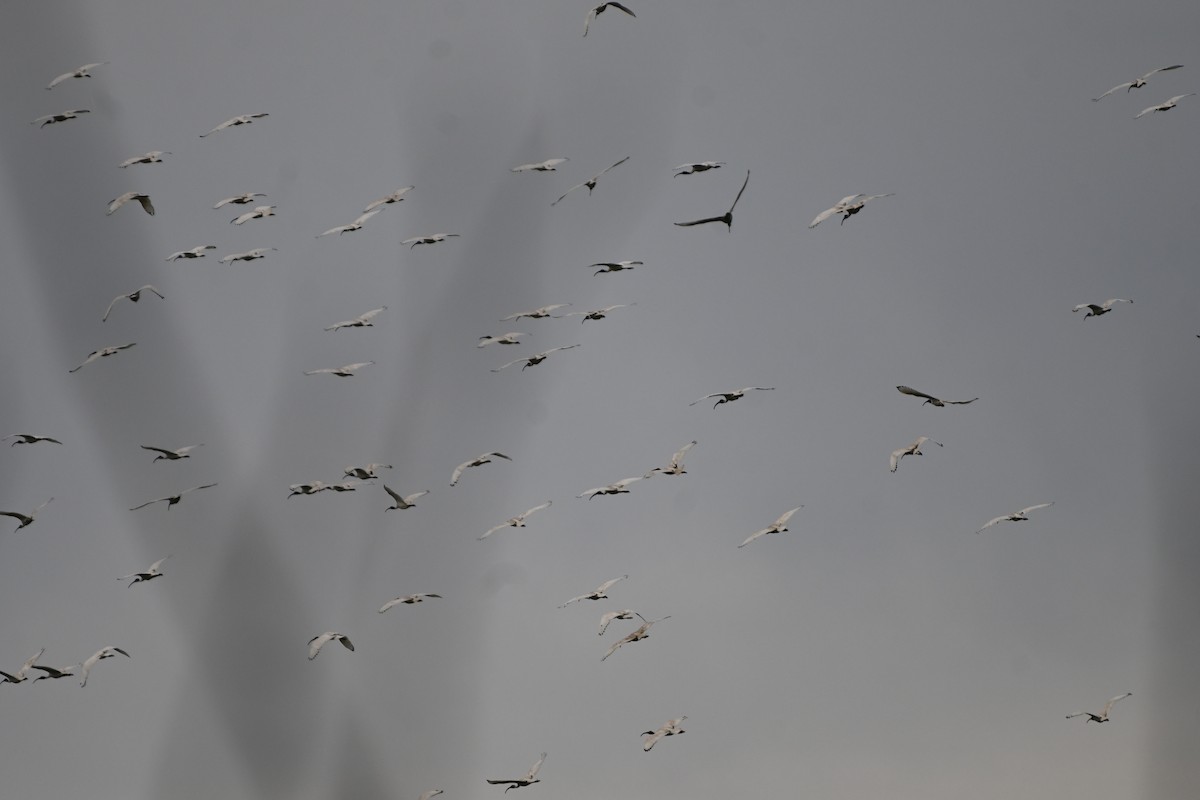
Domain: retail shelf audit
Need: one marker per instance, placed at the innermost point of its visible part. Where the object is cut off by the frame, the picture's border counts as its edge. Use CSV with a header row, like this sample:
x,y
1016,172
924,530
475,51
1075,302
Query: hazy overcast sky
x,y
878,649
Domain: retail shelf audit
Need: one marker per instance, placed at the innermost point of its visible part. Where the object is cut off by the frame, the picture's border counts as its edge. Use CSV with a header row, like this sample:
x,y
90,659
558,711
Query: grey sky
x,y
878,648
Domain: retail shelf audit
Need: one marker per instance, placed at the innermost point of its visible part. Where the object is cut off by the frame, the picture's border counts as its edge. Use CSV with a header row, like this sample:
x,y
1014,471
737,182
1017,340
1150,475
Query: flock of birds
x,y
366,476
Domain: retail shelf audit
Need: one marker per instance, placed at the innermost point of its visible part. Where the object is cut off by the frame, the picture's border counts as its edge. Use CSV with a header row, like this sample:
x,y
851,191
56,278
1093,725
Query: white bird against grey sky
x,y
1103,715
363,320
172,455
432,238
727,217
61,116
729,397
132,297
149,574
171,500
241,119
598,10
516,522
778,526
28,438
537,313
79,72
848,206
141,197
1136,83
590,183
614,266
1019,516
478,461
259,212
401,502
930,399
599,593
676,465
358,222
668,728
1100,309
195,252
25,519
366,472
239,199
1166,105
612,488
21,675
697,166
249,255
505,338
317,642
535,359
312,487
395,197
599,313
542,166
96,658
153,157
54,673
345,371
429,793
516,783
408,599
609,616
103,352
913,449
643,632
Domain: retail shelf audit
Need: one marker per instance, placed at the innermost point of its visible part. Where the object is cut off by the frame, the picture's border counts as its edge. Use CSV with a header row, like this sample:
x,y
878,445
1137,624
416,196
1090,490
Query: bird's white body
x,y
518,521
591,15
432,238
153,157
21,675
599,593
152,572
729,397
61,116
400,502
913,449
1096,310
612,488
25,519
643,632
408,599
395,197
609,616
535,359
344,371
778,526
132,297
175,498
171,455
195,252
676,465
537,313
668,728
239,199
1164,106
590,183
141,197
478,461
103,352
1136,83
542,166
241,119
79,72
599,313
361,321
516,783
1103,715
848,206
317,642
259,212
1018,516
366,472
249,255
513,337
96,658
358,222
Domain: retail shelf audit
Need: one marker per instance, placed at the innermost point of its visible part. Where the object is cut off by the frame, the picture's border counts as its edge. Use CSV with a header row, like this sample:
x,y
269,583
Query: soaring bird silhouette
x,y
727,217
516,783
598,10
132,297
933,400
590,183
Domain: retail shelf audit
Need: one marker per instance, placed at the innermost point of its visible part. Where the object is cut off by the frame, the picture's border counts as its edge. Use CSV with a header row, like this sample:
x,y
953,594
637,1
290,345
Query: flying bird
x,y
25,519
153,157
307,488
931,399
141,197
668,728
239,199
913,449
1136,83
408,599
590,183
543,166
848,206
535,359
358,222
259,212
366,472
1164,106
361,321
132,297
1098,310
478,461
173,499
727,217
642,632
395,197
61,116
729,397
516,783
401,503
537,313
612,488
28,438
598,10
23,673
614,266
676,465
607,617
345,486
54,674
103,352
698,166
345,371
171,455
599,593
778,526
195,252
431,239
599,313
504,338
1103,715
1020,516
79,72
516,522
430,793
154,571
317,642
249,255
97,657
241,119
